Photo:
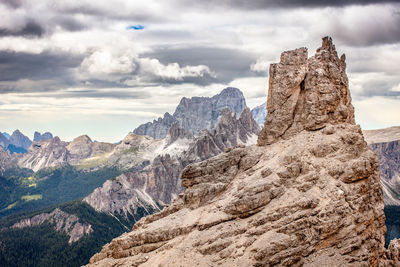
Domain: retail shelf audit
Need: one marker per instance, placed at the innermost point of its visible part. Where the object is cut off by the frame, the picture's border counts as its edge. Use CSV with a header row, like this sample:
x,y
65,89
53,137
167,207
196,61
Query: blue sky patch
x,y
135,27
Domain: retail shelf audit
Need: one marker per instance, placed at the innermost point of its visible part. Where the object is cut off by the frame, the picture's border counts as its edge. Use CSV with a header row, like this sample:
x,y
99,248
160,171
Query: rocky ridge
x,y
306,93
195,114
309,194
156,182
37,137
63,222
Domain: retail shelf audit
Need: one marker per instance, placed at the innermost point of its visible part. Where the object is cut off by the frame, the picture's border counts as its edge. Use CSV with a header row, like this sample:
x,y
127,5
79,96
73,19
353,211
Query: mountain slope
x,y
152,186
196,113
307,196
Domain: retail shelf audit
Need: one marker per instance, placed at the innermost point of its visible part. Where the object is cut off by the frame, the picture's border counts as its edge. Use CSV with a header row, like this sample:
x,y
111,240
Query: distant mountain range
x,y
121,182
196,113
20,143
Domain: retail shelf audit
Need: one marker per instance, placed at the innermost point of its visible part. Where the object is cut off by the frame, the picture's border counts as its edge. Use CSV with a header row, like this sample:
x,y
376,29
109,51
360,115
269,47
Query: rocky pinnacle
x,y
306,93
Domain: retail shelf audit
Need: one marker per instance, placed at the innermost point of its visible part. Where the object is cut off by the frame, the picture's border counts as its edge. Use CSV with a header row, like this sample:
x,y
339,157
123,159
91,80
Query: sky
x,y
104,67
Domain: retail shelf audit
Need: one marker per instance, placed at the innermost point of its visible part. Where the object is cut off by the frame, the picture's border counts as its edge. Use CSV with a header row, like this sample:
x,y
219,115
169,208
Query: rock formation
x,y
312,197
63,222
54,152
37,137
20,140
306,93
195,114
155,182
259,113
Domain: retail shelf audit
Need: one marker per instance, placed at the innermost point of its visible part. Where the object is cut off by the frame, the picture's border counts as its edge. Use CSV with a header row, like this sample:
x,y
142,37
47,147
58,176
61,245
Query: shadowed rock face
x,y
306,93
310,198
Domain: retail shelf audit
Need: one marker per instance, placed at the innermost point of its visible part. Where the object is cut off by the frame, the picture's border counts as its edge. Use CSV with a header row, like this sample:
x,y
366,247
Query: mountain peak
x,y
196,113
306,93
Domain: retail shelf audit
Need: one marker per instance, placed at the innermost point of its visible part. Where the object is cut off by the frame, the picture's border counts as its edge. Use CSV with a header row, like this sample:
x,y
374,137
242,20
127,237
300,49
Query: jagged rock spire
x,y
306,93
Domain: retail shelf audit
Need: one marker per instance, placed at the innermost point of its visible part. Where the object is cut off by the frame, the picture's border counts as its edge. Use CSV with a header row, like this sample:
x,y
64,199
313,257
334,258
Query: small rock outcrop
x,y
63,222
306,93
37,137
196,113
311,197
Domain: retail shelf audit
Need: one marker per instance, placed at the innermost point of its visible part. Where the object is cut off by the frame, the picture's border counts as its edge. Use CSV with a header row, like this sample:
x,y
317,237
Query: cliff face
x,y
311,197
196,113
63,222
389,159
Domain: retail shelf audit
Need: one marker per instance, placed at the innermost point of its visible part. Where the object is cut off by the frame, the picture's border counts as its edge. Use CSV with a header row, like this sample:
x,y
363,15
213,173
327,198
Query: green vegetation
x,y
25,191
392,214
31,197
43,246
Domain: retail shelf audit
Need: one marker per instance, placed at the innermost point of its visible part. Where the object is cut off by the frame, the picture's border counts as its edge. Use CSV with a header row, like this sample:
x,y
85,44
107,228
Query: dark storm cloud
x,y
128,93
12,3
226,63
31,28
379,88
44,66
368,31
268,4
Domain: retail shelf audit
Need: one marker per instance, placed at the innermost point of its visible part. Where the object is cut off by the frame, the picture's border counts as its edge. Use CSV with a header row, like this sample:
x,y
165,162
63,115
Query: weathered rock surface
x,y
259,113
195,114
312,197
63,222
37,137
283,204
306,93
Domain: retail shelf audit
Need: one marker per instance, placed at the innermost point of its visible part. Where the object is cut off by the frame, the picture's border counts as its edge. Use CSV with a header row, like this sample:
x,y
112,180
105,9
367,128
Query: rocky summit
x,y
306,93
307,195
196,113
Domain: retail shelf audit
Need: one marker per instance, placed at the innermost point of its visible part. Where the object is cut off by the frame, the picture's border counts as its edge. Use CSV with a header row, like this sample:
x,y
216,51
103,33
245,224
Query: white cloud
x,y
173,70
105,62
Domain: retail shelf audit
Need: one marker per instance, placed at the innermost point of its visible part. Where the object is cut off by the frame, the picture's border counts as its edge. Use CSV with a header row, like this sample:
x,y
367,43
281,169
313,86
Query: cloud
x,y
173,71
43,66
103,61
29,29
272,4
